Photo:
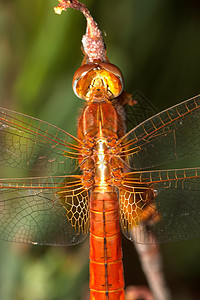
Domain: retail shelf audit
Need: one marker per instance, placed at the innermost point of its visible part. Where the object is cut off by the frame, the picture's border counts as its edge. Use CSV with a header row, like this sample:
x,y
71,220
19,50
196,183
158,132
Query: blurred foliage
x,y
156,44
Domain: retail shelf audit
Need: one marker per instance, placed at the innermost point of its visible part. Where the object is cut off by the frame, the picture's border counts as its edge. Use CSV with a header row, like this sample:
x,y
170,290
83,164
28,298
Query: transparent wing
x,y
166,203
30,143
169,135
140,110
45,210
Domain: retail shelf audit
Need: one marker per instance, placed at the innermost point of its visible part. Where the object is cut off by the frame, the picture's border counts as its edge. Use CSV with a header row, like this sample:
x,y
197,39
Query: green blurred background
x,y
157,46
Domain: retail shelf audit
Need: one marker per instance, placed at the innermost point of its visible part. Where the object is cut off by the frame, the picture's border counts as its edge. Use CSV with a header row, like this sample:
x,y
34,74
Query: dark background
x,y
156,44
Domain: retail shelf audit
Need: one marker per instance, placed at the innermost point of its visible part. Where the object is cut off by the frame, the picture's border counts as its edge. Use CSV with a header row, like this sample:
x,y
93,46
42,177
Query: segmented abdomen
x,y
106,268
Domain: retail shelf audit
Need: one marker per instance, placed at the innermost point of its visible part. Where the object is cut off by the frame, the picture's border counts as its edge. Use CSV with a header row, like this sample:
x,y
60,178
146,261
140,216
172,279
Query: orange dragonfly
x,y
116,183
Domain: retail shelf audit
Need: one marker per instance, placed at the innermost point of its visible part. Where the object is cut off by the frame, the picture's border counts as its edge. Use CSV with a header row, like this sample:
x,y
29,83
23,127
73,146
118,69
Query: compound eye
x,y
112,69
81,72
107,75
115,79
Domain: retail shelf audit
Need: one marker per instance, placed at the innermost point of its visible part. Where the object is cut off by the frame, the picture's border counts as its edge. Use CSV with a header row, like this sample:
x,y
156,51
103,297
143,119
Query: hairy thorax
x,y
99,129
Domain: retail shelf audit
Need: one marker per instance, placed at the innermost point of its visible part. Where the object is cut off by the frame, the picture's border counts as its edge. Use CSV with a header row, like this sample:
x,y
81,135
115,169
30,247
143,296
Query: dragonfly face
x,y
96,81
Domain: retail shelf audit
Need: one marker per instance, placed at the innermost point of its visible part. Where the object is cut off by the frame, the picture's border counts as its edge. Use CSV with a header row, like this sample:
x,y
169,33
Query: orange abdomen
x,y
106,268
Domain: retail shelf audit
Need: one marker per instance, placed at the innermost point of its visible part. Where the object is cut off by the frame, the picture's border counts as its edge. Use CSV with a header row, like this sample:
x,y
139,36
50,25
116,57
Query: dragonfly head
x,y
96,81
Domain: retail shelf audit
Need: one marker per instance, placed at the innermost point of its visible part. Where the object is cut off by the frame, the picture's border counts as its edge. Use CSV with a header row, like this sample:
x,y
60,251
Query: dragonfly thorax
x,y
102,169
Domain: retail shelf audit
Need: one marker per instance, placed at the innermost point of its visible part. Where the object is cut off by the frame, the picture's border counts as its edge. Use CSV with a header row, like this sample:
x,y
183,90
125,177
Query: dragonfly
x,y
107,178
